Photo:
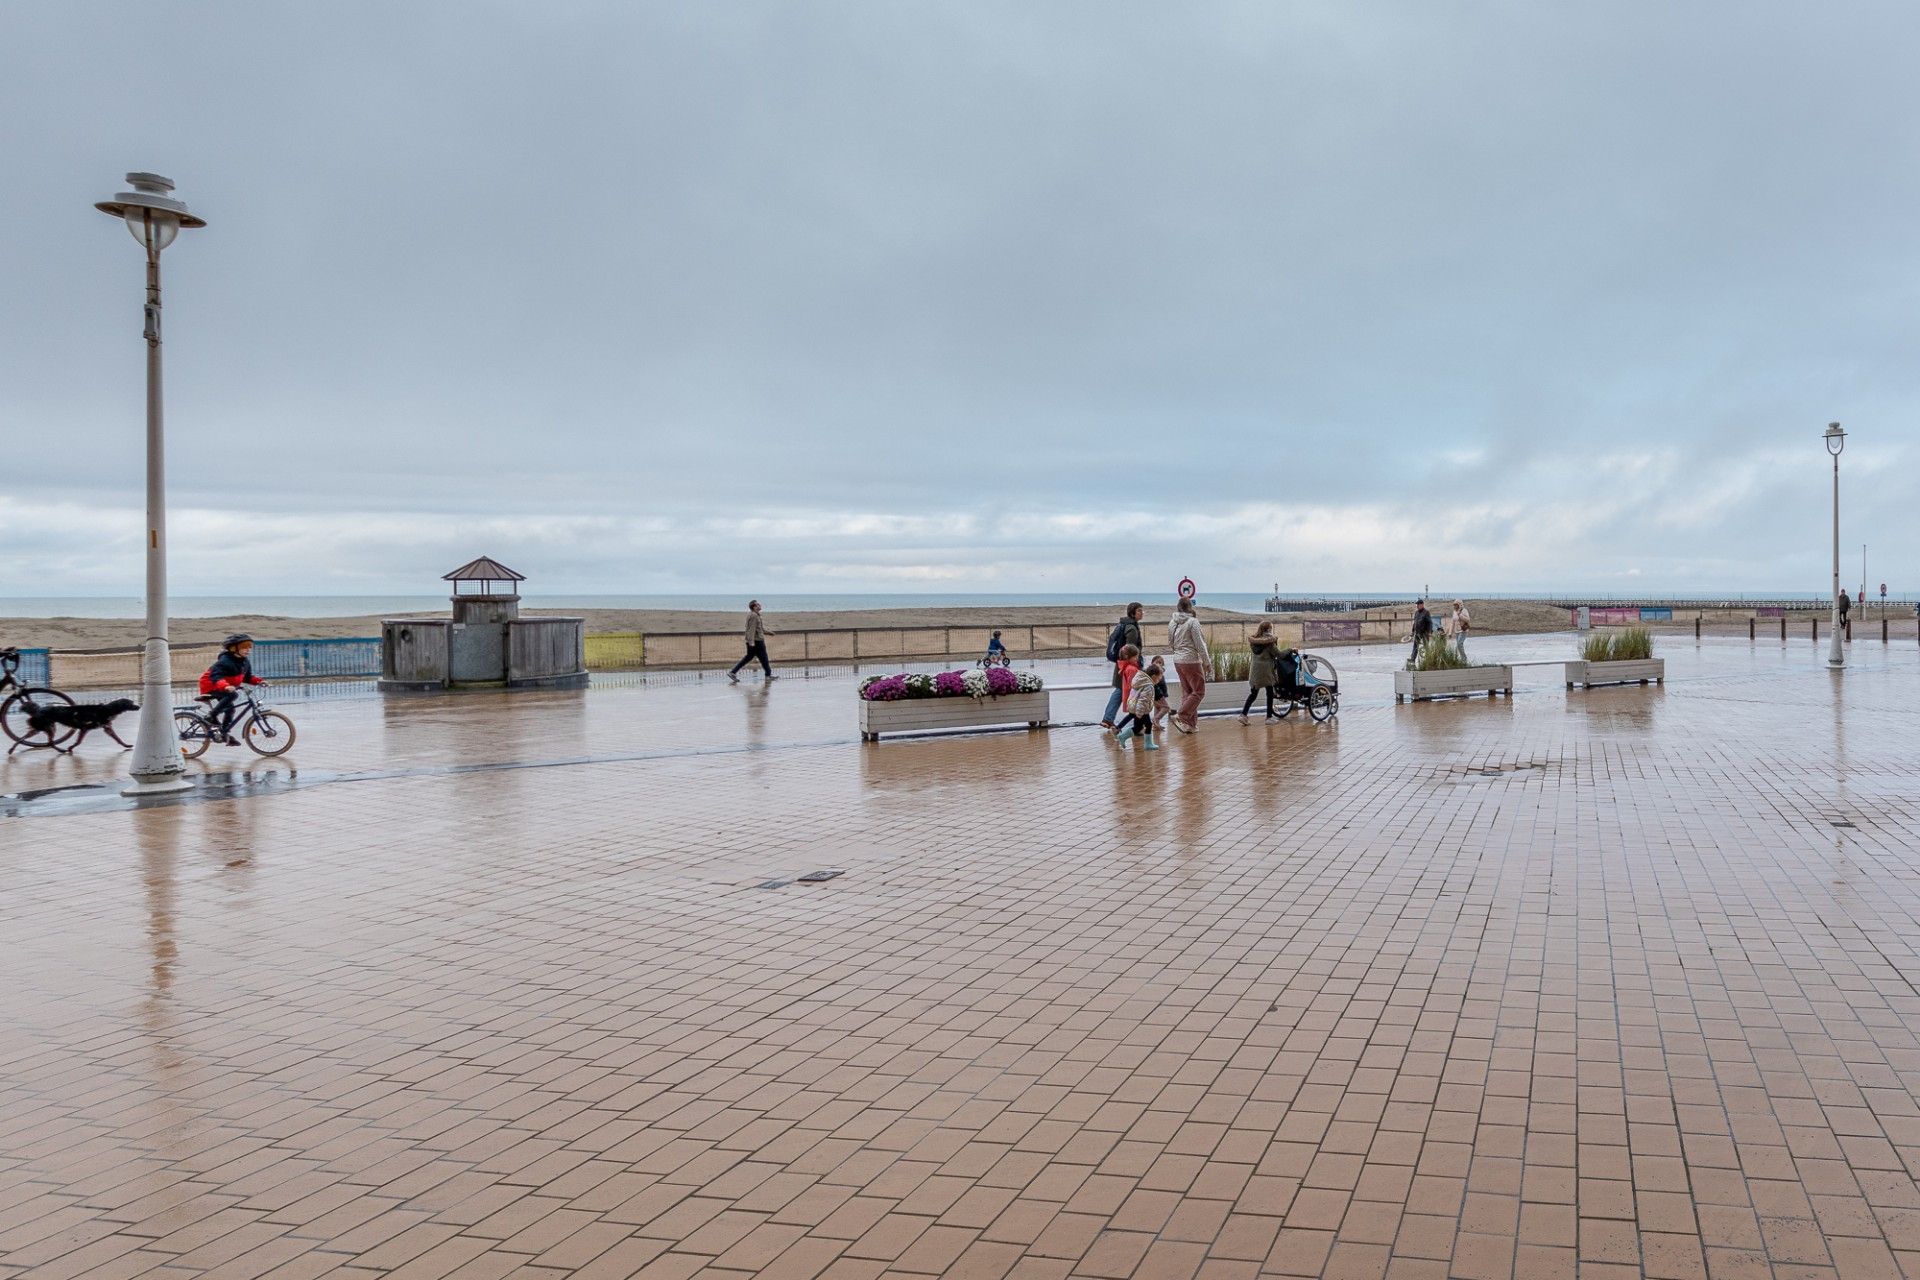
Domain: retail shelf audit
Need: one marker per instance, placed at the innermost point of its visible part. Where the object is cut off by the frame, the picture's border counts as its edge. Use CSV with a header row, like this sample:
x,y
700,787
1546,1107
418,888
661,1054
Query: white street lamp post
x,y
154,218
1836,441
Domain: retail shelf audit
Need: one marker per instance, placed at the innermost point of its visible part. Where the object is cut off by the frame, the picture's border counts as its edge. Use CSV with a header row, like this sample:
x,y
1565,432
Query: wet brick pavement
x,y
1608,983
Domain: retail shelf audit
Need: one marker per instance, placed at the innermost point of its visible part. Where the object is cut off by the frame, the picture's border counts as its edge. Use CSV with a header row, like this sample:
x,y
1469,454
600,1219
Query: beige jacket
x,y
756,627
1187,640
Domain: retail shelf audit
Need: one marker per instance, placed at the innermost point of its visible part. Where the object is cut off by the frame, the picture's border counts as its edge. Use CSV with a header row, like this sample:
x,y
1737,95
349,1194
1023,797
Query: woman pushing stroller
x,y
1289,678
1270,669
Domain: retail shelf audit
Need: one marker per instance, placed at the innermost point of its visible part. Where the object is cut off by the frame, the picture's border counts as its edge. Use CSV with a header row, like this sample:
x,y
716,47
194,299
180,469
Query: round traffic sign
x,y
1187,589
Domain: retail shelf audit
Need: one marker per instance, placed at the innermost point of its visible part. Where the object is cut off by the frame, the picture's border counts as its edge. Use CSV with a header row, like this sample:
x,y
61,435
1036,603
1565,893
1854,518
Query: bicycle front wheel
x,y
270,734
16,717
195,734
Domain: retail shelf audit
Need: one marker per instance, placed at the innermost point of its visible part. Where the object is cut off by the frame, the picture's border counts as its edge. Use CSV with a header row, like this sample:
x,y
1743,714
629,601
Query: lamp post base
x,y
159,784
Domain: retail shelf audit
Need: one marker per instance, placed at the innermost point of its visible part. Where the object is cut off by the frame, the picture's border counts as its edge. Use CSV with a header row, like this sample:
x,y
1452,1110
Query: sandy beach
x,y
1503,616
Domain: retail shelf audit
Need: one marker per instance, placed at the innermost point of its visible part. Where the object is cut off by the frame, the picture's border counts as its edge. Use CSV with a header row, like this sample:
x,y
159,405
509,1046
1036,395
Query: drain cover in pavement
x,y
815,877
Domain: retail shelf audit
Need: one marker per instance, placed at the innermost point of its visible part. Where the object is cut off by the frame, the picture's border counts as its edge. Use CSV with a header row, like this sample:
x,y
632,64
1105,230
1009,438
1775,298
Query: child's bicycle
x,y
996,656
269,733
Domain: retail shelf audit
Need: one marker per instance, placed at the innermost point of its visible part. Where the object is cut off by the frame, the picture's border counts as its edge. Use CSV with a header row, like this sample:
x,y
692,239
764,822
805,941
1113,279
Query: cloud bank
x,y
1070,297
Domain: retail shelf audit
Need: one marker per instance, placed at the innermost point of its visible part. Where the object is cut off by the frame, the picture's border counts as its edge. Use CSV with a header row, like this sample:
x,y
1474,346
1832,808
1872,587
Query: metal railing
x,y
331,659
316,659
963,645
359,657
1752,602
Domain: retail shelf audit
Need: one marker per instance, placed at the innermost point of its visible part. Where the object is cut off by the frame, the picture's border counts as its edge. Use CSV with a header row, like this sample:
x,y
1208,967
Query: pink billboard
x,y
1323,632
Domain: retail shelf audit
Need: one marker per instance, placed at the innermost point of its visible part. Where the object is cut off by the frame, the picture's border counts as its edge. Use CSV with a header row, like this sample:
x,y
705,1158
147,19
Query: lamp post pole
x,y
1836,440
155,219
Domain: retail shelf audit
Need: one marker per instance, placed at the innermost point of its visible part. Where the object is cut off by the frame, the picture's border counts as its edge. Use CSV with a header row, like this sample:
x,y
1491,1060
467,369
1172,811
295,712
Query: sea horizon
x,y
359,605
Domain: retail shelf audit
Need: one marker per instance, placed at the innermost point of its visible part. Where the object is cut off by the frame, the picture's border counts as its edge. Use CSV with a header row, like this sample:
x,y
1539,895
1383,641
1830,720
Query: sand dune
x,y
111,633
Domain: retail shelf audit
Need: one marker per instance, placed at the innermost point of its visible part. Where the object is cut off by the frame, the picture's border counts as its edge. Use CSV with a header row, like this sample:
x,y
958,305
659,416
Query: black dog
x,y
48,719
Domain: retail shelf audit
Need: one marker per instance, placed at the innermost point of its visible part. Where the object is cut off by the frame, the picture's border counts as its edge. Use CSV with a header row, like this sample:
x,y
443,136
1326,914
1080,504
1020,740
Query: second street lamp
x,y
1836,441
155,218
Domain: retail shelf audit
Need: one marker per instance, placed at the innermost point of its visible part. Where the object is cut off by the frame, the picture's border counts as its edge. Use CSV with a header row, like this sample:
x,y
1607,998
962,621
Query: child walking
x,y
1126,662
1139,703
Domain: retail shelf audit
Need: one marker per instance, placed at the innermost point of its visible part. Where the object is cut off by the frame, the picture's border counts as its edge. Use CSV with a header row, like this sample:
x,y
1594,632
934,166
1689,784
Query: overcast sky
x,y
973,296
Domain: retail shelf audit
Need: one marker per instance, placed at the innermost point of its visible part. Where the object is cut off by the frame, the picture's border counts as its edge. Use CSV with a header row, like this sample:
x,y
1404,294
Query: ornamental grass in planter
x,y
1441,670
1624,656
1628,644
1437,653
1230,664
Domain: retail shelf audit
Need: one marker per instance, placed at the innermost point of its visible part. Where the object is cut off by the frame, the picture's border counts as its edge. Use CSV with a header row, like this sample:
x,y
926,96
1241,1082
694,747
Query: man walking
x,y
1125,632
1422,628
1846,603
757,634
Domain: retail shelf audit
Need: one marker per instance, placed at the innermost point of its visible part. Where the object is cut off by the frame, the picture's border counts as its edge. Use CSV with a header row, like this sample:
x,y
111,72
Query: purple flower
x,y
1001,680
950,684
886,689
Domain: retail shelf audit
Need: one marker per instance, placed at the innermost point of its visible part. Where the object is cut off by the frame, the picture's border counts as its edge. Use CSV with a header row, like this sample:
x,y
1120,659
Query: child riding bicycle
x,y
997,655
220,683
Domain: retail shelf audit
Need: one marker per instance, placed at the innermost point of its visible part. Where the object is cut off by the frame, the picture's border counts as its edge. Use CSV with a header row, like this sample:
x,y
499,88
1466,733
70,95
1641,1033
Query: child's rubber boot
x,y
1151,744
1122,736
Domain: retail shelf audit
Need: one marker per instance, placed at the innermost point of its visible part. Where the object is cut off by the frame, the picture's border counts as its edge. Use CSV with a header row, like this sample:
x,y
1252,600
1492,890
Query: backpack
x,y
1116,641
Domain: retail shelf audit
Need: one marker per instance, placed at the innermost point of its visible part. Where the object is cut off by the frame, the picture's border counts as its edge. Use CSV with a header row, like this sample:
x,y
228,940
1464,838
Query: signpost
x,y
1187,590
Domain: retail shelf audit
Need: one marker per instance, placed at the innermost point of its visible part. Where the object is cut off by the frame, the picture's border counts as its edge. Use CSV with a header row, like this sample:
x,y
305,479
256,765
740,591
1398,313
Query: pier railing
x,y
358,657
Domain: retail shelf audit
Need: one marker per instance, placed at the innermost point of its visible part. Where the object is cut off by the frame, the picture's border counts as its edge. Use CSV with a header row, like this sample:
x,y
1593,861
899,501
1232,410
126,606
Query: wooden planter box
x,y
1421,685
911,715
1221,695
1636,671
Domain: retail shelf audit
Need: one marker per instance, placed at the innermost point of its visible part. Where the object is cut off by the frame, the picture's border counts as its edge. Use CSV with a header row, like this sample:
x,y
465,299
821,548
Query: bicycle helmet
x,y
238,637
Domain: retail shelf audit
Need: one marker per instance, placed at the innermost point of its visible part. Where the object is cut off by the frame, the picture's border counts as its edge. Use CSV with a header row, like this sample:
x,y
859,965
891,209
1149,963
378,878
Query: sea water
x,y
187,606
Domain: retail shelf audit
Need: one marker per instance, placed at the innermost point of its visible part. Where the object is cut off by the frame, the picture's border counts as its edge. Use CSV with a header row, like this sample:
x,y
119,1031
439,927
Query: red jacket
x,y
229,671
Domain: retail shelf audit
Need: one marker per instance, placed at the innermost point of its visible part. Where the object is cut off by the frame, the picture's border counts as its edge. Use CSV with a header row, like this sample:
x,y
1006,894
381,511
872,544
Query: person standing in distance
x,y
1125,632
757,634
1422,628
1459,622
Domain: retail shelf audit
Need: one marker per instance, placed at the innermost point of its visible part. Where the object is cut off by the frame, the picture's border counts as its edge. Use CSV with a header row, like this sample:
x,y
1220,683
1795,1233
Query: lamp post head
x,y
151,213
1836,439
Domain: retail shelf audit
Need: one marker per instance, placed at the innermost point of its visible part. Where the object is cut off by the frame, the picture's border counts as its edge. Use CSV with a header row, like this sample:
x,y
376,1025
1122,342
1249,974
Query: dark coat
x,y
1422,624
1129,634
1263,672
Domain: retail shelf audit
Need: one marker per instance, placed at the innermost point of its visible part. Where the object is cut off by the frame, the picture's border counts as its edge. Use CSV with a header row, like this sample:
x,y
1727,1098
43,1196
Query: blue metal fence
x,y
33,667
307,659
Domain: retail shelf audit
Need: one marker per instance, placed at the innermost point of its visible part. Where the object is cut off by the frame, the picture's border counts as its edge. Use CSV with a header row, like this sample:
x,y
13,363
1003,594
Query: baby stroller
x,y
1307,680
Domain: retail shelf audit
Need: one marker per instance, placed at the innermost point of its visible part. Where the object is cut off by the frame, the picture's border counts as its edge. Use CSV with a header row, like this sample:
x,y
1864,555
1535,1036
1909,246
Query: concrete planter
x,y
1422,685
1220,695
1636,671
910,715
